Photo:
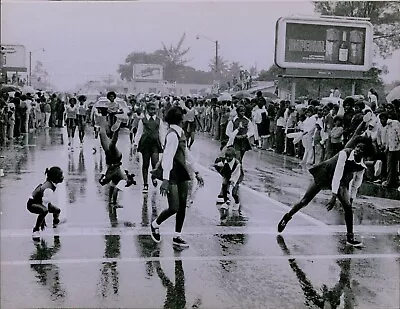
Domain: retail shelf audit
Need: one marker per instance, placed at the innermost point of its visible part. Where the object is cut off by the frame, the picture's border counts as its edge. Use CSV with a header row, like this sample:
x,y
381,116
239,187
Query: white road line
x,y
206,258
272,201
203,231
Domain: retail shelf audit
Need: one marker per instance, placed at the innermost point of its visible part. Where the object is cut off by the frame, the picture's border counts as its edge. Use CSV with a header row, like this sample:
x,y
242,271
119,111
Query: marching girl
x,y
42,200
81,117
174,172
71,112
189,121
148,140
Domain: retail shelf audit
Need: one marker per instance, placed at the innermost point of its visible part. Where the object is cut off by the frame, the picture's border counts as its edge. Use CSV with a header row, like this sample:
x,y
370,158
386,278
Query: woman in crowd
x,y
189,121
71,113
81,117
174,173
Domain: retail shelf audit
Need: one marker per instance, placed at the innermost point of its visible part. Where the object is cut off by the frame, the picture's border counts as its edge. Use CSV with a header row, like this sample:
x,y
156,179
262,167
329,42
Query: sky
x,y
86,40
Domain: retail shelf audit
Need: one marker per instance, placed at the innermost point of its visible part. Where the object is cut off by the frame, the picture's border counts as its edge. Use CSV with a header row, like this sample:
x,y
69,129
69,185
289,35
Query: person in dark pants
x,y
41,202
343,174
149,136
173,171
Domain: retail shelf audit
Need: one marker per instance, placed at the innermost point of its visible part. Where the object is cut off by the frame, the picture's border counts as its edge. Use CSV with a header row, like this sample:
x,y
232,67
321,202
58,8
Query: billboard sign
x,y
147,71
13,58
323,43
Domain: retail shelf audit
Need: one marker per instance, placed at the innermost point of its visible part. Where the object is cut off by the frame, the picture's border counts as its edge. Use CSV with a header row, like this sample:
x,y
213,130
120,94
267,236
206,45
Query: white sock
x,y
154,224
178,234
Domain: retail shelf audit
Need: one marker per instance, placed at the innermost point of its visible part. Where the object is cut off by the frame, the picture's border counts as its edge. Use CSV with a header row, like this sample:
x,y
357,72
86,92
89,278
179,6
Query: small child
x,y
42,200
229,168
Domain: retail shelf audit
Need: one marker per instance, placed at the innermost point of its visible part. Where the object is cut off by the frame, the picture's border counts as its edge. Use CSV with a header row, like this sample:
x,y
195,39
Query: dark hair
x,y
349,101
81,98
111,93
338,118
360,105
53,173
72,100
384,115
174,115
150,104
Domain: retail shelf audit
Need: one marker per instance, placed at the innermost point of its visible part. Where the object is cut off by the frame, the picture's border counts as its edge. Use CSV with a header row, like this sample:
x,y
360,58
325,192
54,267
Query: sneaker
x,y
225,206
354,243
282,224
178,241
155,233
220,199
145,188
35,235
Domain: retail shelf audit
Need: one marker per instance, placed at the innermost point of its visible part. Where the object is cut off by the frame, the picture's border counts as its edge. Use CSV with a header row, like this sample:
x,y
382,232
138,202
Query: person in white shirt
x,y
174,172
42,200
148,141
343,175
308,128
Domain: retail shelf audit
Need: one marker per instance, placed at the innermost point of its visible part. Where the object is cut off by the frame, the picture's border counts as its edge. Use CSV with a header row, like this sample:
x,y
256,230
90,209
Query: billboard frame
x,y
7,68
280,42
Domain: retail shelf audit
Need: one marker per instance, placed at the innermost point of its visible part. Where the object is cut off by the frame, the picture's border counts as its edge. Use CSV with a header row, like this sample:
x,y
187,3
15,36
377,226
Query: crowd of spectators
x,y
312,132
21,113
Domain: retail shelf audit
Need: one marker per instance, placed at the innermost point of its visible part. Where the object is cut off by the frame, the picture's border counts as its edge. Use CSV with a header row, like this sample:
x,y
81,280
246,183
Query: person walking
x,y
149,136
173,171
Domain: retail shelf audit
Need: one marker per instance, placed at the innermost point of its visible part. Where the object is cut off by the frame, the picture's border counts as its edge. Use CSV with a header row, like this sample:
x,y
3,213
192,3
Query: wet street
x,y
104,257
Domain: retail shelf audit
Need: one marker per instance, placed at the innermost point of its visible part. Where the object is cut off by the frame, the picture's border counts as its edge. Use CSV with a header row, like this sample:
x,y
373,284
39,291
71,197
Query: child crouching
x,y
42,200
229,168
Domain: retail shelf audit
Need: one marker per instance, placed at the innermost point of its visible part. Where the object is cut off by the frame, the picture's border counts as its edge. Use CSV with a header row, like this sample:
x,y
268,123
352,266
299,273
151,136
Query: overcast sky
x,y
85,40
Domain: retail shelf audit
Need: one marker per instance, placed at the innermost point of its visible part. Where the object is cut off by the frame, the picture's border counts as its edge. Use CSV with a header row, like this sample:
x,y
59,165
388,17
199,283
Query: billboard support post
x,y
293,92
353,87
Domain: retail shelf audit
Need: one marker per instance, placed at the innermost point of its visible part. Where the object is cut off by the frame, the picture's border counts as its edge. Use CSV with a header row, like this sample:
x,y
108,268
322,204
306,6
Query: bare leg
x,y
311,192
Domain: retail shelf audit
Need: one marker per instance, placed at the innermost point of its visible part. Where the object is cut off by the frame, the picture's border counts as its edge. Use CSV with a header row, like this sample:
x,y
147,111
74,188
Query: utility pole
x,y
216,56
30,68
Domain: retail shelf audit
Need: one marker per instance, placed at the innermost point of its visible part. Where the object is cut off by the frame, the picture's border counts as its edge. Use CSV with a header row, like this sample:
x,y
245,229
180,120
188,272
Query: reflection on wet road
x,y
104,257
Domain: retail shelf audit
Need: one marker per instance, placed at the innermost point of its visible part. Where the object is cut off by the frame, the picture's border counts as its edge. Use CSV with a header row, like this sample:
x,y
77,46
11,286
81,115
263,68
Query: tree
x,y
174,59
222,66
40,76
384,16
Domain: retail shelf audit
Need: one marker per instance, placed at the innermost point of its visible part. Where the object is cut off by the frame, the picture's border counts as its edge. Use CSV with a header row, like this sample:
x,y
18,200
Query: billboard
x,y
13,58
147,71
323,43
